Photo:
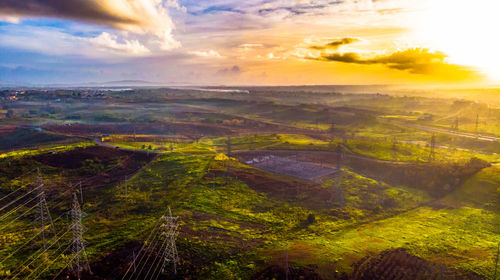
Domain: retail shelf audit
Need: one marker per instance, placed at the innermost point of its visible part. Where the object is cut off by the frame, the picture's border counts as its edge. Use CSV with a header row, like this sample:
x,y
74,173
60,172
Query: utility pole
x,y
228,146
169,225
126,195
477,123
286,264
432,154
394,148
338,190
80,263
126,188
496,262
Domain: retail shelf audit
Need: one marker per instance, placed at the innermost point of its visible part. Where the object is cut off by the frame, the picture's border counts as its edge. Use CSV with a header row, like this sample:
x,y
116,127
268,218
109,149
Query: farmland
x,y
273,183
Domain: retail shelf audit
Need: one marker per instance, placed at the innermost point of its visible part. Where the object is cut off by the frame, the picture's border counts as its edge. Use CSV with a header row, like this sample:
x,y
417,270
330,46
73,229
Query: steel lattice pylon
x,y
80,262
43,214
169,231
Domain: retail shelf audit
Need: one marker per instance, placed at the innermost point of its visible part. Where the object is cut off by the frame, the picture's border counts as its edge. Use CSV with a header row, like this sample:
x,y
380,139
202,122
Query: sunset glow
x,y
465,32
251,42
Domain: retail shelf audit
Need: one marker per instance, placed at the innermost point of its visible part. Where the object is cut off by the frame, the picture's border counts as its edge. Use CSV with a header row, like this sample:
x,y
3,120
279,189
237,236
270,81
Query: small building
x,y
105,137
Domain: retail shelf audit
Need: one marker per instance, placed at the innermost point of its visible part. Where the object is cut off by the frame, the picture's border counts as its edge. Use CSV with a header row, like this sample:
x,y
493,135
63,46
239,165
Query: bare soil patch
x,y
291,167
293,190
398,264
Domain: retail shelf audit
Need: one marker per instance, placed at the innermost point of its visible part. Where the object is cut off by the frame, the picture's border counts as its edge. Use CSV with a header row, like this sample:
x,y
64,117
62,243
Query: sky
x,y
257,42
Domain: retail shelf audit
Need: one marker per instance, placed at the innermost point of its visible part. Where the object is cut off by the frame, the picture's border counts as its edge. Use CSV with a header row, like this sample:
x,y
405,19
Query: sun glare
x,y
466,31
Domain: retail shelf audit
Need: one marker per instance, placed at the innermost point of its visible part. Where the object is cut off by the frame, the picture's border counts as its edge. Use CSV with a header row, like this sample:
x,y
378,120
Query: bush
x,y
311,219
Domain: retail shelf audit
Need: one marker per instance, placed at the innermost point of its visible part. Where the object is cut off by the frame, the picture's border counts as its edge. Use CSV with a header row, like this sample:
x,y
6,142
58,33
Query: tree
x,y
311,219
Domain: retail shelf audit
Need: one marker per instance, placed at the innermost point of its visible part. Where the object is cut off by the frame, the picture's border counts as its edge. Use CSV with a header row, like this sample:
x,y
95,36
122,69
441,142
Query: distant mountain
x,y
120,83
130,82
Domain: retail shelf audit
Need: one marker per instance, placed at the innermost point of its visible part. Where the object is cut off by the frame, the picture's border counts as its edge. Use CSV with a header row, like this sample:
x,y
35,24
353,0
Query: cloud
x,y
248,46
209,53
217,9
144,17
230,71
10,19
110,42
42,39
415,61
336,44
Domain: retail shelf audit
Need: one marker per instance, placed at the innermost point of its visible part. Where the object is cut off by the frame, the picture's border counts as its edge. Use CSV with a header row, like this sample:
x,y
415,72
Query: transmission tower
x,y
169,227
80,262
43,214
477,123
432,154
338,190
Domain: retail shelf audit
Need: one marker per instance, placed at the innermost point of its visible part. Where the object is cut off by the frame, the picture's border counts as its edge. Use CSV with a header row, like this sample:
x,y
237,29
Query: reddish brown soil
x,y
6,129
296,191
216,235
75,158
398,264
194,258
188,129
121,164
437,178
178,128
112,265
278,272
327,158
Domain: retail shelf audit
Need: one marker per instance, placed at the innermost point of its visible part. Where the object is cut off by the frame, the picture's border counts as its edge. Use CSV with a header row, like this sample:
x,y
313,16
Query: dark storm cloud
x,y
334,45
93,11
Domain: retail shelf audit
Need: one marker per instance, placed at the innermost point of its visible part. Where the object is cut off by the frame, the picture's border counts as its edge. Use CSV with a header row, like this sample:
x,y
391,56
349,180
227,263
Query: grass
x,y
44,149
239,230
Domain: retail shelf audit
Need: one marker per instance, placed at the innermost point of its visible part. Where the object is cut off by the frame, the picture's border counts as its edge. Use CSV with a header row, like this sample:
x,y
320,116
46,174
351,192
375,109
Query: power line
x,y
78,248
148,252
19,198
18,217
17,208
67,264
157,267
156,258
139,256
47,266
33,259
18,189
24,244
151,234
43,215
169,231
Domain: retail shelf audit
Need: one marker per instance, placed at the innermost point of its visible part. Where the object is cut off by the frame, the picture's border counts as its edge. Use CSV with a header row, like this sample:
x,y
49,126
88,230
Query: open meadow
x,y
259,183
